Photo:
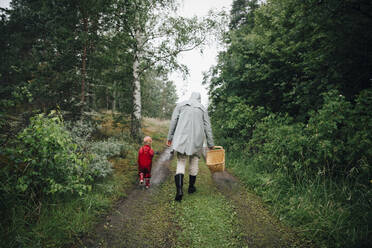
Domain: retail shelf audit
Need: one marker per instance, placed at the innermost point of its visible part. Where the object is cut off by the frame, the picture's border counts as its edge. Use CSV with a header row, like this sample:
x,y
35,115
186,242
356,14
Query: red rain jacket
x,y
145,155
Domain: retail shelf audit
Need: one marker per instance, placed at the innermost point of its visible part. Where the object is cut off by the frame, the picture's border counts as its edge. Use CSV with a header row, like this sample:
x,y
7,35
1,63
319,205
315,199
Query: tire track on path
x,y
259,229
142,218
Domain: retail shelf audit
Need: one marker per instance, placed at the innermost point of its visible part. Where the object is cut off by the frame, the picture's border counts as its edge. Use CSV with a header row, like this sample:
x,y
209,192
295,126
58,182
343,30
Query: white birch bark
x,y
136,90
137,106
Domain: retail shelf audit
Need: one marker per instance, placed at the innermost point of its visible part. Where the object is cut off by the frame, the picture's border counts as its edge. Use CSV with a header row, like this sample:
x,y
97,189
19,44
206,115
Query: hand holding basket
x,y
215,159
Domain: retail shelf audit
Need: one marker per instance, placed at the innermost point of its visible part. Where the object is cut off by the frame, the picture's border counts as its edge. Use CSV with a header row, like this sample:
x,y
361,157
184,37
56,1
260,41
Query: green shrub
x,y
328,131
97,152
45,160
81,131
336,141
359,143
234,122
277,143
100,152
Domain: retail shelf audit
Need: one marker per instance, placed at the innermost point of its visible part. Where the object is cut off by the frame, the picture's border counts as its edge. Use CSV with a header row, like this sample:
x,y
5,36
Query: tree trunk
x,y
137,107
163,101
136,114
107,100
114,94
83,72
84,62
94,104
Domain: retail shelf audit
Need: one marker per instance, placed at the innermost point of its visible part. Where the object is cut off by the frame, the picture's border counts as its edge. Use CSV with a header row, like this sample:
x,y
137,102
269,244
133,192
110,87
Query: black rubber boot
x,y
179,184
192,188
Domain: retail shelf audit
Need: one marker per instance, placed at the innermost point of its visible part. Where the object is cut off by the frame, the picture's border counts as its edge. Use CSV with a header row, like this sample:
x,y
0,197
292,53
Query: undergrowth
x,y
55,219
329,212
315,173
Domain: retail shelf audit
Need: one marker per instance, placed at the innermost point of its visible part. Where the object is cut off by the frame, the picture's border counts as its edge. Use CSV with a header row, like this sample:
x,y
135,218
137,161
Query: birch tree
x,y
159,36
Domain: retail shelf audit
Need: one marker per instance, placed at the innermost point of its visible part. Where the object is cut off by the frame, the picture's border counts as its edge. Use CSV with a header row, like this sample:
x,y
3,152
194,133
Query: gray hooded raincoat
x,y
189,125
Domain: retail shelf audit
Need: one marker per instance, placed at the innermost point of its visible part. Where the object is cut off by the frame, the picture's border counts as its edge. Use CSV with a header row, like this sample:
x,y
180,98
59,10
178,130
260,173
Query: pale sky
x,y
196,62
4,3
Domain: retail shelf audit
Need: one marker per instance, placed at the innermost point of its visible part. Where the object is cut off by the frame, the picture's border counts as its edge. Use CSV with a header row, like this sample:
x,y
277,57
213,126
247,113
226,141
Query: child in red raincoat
x,y
145,155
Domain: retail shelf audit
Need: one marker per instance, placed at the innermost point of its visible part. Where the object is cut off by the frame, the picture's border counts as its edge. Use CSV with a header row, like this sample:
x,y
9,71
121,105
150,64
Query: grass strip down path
x,y
206,218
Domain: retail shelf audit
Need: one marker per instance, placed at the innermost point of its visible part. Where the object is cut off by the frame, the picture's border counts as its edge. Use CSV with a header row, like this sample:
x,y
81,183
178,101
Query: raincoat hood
x,y
195,96
194,101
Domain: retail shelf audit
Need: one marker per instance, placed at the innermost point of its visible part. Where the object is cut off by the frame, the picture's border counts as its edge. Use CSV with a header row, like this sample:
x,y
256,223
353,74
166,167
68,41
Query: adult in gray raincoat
x,y
189,126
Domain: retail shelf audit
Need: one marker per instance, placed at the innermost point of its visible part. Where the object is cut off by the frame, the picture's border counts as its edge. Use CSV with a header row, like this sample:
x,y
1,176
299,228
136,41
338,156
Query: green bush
x,y
277,143
336,141
328,130
234,121
45,160
100,152
359,143
97,152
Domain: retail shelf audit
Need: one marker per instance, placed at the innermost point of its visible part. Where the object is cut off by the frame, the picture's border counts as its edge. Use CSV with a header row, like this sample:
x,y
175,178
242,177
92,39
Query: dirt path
x,y
141,220
258,227
151,218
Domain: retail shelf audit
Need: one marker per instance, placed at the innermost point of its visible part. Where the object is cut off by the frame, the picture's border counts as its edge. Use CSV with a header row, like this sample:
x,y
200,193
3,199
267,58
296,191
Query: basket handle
x,y
217,147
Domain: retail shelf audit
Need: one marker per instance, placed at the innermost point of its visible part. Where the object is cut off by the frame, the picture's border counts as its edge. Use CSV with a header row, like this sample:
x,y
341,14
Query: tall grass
x,y
329,212
61,222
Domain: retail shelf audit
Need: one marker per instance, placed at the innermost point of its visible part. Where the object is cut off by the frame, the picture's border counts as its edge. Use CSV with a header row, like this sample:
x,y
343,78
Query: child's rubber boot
x,y
147,183
179,184
141,178
192,188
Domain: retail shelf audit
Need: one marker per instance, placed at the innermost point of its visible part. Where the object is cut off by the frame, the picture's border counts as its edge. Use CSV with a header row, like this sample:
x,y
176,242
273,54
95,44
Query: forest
x,y
289,99
63,63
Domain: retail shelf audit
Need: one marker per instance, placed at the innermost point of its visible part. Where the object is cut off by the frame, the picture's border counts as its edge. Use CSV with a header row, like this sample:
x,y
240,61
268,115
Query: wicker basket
x,y
216,159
